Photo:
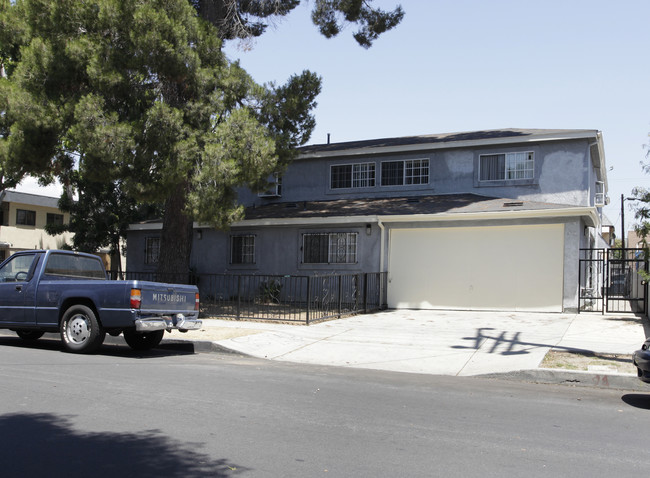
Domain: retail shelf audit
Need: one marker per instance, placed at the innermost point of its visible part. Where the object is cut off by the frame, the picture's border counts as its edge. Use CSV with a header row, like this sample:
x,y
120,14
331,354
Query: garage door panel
x,y
483,268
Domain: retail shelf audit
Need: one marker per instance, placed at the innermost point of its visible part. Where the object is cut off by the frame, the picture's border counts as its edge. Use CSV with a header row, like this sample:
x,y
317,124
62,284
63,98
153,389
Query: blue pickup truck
x,y
69,292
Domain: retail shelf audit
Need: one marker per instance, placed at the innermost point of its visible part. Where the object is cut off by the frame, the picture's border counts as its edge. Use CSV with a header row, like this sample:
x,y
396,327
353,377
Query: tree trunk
x,y
116,257
176,240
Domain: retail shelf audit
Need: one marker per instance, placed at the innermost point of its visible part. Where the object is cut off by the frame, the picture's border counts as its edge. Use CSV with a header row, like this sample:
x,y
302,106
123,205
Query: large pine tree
x,y
105,94
140,93
250,18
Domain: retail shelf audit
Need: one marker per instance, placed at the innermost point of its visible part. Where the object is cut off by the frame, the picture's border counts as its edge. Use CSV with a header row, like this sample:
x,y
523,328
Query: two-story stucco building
x,y
23,218
486,220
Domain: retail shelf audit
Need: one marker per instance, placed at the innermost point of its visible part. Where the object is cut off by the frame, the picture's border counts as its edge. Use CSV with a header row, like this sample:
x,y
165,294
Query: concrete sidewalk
x,y
430,342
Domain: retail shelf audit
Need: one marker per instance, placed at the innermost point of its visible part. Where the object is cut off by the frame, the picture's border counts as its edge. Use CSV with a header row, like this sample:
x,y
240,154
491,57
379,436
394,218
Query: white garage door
x,y
516,268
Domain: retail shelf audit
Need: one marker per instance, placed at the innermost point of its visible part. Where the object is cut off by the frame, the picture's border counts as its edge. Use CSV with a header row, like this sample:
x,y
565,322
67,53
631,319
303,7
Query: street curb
x,y
575,378
204,346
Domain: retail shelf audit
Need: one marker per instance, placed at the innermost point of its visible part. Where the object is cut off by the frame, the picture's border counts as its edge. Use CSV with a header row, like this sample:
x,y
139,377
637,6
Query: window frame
x,y
26,216
12,267
50,216
332,248
600,197
275,187
75,269
246,251
510,167
151,250
422,165
361,175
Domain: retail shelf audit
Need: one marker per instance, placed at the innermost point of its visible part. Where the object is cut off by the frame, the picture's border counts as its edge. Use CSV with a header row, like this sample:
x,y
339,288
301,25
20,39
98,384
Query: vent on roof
x,y
513,204
412,200
290,204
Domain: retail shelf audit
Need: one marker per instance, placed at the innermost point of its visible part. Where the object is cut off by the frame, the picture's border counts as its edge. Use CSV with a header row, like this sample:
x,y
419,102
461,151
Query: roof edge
x,y
551,135
589,213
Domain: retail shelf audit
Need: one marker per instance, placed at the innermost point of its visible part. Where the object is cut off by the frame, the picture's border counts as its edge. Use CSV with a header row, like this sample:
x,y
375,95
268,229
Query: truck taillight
x,y
136,298
196,302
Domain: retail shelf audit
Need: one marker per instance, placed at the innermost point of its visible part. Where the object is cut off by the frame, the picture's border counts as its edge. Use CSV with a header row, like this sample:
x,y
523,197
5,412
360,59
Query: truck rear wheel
x,y
143,340
81,332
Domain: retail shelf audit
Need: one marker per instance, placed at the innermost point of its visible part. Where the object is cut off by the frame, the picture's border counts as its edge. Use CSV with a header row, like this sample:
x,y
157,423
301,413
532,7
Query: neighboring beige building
x,y
23,218
634,241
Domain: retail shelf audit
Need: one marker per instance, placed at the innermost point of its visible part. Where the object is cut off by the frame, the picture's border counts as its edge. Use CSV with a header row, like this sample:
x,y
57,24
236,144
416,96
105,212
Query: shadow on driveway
x,y
48,445
503,345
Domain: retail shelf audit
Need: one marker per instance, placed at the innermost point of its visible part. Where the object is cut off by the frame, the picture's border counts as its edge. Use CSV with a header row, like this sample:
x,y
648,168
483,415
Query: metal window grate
x,y
341,176
151,250
242,249
360,175
330,248
363,175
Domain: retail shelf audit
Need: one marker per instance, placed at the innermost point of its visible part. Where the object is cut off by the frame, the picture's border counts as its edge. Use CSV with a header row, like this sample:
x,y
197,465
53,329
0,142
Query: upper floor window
x,y
151,250
506,166
25,217
361,175
54,219
410,171
329,248
600,198
242,249
275,188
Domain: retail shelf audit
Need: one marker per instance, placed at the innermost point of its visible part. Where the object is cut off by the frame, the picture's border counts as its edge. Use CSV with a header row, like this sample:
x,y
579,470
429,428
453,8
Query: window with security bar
x,y
406,172
242,249
330,248
361,175
151,250
507,166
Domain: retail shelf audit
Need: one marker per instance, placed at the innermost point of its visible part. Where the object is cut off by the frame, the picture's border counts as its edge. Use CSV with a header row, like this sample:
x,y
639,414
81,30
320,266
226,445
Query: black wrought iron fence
x,y
282,298
167,278
613,280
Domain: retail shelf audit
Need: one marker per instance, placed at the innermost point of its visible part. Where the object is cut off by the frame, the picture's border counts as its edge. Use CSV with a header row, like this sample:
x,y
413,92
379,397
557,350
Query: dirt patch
x,y
589,362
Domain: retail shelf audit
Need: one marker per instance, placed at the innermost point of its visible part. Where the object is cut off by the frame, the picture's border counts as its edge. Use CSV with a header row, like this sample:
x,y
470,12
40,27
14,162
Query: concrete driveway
x,y
432,342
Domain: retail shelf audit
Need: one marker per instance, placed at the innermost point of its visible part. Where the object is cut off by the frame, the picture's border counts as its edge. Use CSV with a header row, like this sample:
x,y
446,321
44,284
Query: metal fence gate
x,y
610,280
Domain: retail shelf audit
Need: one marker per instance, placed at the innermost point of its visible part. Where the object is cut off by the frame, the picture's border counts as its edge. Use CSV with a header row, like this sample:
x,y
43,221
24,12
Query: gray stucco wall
x,y
563,175
278,250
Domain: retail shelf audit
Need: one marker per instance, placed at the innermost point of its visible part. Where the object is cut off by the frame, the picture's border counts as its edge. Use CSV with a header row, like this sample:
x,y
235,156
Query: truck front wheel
x,y
143,340
81,332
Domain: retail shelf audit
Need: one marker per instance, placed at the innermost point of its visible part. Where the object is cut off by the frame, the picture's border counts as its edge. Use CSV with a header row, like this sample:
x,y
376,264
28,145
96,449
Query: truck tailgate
x,y
167,298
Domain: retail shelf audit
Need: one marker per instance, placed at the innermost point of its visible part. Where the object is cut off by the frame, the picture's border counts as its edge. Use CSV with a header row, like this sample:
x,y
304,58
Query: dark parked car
x,y
641,359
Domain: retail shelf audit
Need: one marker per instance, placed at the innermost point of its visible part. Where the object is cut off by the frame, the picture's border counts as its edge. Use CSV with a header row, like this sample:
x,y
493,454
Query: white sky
x,y
467,65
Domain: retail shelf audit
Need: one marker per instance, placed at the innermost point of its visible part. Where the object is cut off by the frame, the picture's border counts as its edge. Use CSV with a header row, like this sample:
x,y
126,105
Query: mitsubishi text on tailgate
x,y
68,292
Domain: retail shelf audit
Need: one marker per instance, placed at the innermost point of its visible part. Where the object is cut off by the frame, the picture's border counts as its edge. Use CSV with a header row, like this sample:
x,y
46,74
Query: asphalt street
x,y
172,412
